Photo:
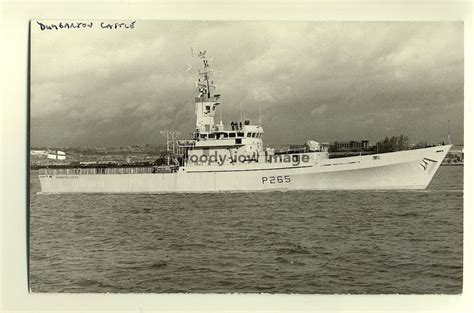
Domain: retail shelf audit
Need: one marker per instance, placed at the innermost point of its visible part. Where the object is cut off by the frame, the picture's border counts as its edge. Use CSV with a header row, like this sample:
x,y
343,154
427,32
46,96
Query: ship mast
x,y
206,101
204,82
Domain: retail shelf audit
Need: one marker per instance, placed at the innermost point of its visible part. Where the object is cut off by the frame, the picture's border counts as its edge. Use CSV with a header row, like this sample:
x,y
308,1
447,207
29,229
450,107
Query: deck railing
x,y
106,170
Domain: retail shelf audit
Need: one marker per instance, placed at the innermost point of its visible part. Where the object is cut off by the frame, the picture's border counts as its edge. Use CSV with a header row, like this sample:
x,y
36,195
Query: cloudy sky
x,y
325,81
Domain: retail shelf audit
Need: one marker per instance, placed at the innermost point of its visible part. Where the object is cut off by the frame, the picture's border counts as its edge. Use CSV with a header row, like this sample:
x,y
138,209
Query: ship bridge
x,y
234,140
220,133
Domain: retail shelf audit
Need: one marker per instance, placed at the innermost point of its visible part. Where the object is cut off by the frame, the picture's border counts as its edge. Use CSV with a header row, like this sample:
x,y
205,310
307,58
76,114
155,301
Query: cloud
x,y
322,80
319,110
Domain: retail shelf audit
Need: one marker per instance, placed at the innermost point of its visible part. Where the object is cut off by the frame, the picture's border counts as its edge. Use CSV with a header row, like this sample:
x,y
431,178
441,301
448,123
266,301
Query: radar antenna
x,y
204,83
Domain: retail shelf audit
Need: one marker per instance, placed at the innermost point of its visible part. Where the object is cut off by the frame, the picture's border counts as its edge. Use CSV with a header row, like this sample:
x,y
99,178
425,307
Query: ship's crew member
x,y
240,125
232,125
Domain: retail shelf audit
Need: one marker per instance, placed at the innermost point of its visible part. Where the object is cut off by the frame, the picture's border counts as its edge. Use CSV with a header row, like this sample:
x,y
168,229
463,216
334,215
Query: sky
x,y
323,81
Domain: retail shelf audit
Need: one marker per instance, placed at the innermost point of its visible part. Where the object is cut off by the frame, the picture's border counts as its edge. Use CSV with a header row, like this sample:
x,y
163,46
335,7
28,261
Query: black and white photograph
x,y
246,157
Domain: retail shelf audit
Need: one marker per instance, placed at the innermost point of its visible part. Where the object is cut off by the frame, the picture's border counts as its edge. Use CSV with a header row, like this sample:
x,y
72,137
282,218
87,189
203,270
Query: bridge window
x,y
203,136
225,135
240,134
212,136
253,135
249,135
232,135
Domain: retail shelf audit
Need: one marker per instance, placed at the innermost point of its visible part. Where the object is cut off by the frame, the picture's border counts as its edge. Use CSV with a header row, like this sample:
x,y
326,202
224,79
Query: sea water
x,y
308,242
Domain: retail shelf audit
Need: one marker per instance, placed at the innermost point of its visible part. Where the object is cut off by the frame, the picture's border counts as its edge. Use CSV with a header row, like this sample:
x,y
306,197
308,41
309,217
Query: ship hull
x,y
412,169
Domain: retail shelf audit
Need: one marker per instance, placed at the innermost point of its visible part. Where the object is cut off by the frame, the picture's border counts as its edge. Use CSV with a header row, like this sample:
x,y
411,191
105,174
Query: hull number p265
x,y
276,179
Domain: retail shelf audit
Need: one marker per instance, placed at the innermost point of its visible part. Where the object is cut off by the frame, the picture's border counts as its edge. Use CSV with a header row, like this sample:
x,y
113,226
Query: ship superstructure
x,y
216,144
220,158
